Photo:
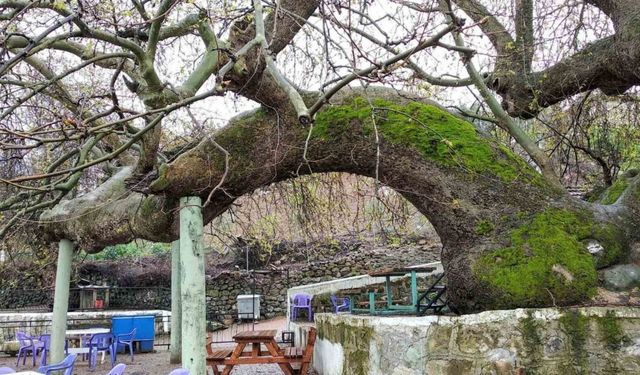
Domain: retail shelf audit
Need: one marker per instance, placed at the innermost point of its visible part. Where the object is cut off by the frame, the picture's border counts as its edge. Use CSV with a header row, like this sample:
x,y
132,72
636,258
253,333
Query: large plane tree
x,y
93,90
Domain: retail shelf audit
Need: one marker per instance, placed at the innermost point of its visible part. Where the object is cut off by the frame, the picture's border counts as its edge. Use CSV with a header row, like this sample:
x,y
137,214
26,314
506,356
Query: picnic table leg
x,y
235,355
273,349
387,286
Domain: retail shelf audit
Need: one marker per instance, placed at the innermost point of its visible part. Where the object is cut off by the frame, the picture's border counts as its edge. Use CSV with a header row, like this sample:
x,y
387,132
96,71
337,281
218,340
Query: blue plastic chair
x,y
7,370
301,301
340,303
127,341
28,347
66,365
179,371
101,342
46,345
118,370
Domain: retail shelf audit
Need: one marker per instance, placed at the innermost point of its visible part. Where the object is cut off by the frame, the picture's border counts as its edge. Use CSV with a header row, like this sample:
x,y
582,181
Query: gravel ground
x,y
157,363
146,364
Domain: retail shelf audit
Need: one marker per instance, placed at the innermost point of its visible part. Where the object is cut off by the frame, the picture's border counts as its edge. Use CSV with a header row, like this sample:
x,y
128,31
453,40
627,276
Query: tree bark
x,y
511,238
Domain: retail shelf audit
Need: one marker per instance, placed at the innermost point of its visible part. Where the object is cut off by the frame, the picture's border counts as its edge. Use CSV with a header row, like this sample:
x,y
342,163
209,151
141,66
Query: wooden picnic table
x,y
257,338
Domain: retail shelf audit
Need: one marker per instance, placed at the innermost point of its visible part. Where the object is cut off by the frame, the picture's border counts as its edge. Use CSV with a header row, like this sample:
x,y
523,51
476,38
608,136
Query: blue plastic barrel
x,y
145,333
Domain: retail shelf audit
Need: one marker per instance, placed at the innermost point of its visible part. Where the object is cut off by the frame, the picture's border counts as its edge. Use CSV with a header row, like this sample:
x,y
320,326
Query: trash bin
x,y
145,330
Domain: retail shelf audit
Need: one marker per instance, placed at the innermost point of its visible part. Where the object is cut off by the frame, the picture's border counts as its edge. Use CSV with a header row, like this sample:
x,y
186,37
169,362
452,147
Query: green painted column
x,y
176,305
61,300
192,286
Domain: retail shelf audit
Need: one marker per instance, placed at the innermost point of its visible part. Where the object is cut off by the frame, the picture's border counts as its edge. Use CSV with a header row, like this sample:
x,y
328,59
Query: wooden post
x,y
176,305
192,286
61,300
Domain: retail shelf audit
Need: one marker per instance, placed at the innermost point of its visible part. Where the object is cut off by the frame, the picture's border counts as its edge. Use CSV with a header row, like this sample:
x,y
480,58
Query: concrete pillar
x,y
176,305
192,286
61,300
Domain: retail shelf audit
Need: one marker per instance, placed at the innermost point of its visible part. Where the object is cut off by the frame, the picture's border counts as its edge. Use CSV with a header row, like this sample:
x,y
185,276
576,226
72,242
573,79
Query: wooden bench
x,y
302,356
216,357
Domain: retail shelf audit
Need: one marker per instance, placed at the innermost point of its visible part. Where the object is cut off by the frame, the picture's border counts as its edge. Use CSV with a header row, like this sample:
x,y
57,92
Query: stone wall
x,y
596,340
223,288
290,265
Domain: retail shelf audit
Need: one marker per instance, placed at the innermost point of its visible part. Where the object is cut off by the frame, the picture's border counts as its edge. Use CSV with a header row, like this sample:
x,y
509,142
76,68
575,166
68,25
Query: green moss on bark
x,y
611,195
436,133
547,260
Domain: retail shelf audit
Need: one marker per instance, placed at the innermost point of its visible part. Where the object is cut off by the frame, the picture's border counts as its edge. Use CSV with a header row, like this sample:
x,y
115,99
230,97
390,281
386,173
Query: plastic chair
x,y
179,371
101,342
340,303
127,341
118,370
7,370
27,347
66,365
46,345
301,301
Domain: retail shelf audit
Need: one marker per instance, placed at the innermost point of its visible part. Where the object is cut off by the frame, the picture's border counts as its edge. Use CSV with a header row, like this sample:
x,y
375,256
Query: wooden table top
x,y
400,271
266,334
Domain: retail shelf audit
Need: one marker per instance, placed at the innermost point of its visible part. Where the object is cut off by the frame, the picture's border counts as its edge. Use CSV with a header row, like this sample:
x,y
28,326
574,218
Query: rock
x,y
500,355
594,248
634,252
621,277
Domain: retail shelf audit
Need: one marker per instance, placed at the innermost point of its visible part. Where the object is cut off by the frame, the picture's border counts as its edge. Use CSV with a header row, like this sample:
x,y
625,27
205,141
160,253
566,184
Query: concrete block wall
x,y
595,340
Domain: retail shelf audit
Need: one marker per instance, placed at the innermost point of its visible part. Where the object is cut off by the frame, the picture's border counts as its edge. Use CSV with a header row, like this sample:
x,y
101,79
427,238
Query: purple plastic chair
x,y
101,342
118,370
125,340
301,301
27,347
66,365
46,345
340,303
179,371
7,370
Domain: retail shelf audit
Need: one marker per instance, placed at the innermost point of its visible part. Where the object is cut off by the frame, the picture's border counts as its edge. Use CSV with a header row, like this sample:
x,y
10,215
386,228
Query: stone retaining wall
x,y
223,288
596,340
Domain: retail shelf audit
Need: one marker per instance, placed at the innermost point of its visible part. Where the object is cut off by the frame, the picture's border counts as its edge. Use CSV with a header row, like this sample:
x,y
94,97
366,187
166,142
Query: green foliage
x,y
436,133
523,272
131,250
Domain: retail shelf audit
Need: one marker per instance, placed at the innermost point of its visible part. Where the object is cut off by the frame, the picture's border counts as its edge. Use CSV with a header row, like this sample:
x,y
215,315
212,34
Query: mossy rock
x,y
547,260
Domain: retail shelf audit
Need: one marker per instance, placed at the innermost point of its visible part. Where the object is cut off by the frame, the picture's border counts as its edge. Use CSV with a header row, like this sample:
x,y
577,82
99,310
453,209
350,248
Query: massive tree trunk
x,y
511,239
